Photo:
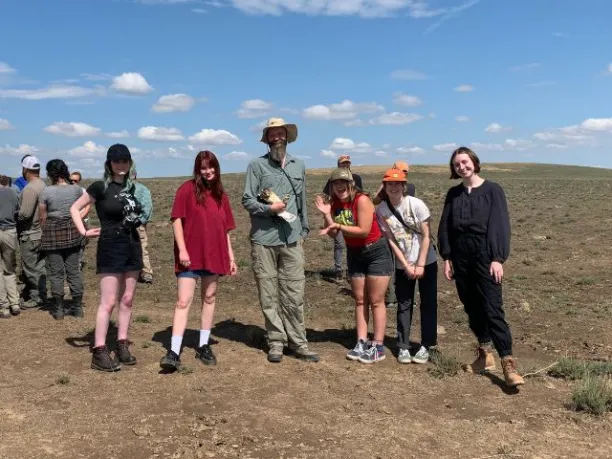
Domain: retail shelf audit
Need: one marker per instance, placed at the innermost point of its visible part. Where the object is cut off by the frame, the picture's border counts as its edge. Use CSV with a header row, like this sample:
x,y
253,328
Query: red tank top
x,y
346,213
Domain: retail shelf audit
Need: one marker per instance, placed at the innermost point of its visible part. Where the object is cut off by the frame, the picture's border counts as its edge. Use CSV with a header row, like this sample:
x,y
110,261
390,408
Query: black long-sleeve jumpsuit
x,y
474,231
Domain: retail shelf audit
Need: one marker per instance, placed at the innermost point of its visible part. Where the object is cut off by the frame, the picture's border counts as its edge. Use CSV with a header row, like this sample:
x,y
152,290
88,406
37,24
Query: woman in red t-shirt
x,y
369,261
201,220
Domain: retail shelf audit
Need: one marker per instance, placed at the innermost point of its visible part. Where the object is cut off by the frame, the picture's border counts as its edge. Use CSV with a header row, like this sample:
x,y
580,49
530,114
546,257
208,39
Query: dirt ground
x,y
557,296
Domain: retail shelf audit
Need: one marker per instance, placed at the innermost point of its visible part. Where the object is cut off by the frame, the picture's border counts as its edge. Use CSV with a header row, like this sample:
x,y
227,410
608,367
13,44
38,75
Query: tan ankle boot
x,y
484,361
513,379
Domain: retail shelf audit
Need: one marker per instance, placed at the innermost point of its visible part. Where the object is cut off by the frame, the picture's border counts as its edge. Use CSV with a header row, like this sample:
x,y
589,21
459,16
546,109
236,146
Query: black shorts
x,y
119,251
372,260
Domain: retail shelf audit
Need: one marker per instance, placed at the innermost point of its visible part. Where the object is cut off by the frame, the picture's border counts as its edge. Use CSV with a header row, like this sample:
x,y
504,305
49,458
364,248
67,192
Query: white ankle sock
x,y
175,345
204,335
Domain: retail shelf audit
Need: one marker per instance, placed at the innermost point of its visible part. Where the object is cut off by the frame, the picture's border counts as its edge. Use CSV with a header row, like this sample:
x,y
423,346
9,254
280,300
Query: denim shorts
x,y
372,260
195,274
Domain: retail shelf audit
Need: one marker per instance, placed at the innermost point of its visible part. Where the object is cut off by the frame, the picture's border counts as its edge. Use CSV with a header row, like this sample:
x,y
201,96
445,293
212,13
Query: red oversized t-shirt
x,y
205,228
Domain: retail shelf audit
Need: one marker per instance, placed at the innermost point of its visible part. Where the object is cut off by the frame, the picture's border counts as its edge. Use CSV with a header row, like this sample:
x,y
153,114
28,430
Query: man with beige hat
x,y
275,197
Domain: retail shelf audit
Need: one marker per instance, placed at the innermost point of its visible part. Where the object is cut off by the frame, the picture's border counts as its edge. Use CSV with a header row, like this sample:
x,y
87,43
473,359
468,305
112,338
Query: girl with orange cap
x,y
404,221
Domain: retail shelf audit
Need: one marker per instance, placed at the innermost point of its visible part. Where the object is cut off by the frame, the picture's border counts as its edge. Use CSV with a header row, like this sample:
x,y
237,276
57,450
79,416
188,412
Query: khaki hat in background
x,y
341,173
344,159
401,165
292,130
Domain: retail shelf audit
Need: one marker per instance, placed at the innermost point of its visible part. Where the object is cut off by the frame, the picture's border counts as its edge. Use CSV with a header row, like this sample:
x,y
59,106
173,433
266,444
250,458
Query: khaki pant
x,y
8,265
144,242
33,265
279,274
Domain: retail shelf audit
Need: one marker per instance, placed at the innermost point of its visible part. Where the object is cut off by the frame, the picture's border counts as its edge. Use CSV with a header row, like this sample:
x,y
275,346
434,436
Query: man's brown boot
x,y
511,375
484,361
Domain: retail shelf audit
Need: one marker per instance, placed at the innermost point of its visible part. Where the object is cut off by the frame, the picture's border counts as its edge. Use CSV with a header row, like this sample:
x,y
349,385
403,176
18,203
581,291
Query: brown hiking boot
x,y
511,375
123,353
102,360
275,354
304,353
484,361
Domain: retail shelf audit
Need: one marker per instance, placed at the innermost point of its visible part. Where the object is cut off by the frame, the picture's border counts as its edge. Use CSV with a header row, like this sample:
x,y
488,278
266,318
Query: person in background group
x,y
351,213
9,206
405,222
20,182
76,178
30,235
143,195
409,190
344,161
277,238
202,219
61,241
474,241
119,255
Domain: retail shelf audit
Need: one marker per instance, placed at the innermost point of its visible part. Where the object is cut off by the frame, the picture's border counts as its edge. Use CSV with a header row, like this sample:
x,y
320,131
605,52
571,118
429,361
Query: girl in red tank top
x,y
368,258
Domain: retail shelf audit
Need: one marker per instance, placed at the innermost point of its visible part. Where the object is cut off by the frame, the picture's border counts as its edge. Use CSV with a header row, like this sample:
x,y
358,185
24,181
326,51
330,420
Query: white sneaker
x,y
422,356
404,356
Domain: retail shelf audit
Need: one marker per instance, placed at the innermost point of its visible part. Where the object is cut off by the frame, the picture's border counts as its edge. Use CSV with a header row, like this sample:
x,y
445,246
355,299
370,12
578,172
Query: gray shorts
x,y
371,260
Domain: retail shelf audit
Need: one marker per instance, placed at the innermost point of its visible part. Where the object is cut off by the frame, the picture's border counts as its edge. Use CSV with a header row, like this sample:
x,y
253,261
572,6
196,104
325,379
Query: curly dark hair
x,y
56,170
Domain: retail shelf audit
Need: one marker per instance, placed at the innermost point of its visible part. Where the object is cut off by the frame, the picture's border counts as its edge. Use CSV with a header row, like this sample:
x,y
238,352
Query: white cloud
x,y
519,144
406,100
328,154
355,123
237,155
199,10
464,88
478,146
253,108
160,134
118,134
5,124
597,124
558,146
5,68
417,9
410,150
408,74
88,150
174,103
345,110
96,76
544,135
341,143
396,118
519,68
259,126
49,92
496,127
610,68
72,129
560,35
131,83
380,153
215,137
462,119
22,149
449,147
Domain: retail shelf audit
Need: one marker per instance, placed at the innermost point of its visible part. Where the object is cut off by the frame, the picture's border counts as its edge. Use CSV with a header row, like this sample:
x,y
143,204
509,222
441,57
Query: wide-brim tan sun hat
x,y
292,130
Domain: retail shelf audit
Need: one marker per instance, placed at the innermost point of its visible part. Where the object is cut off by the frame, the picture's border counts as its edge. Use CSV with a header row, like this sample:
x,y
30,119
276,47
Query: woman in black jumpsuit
x,y
474,241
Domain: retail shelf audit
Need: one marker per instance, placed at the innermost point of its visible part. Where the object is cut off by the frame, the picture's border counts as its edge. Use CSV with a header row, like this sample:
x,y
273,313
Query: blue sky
x,y
378,79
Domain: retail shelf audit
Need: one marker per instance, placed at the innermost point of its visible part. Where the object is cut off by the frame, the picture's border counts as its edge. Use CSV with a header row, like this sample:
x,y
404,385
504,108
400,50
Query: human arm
x,y
325,209
42,213
379,195
146,204
498,233
29,202
249,197
304,206
75,213
397,251
444,228
179,238
365,210
230,252
423,249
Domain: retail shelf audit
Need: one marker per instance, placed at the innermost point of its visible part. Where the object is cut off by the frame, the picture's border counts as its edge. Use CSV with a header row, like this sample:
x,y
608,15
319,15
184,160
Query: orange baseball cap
x,y
401,165
394,175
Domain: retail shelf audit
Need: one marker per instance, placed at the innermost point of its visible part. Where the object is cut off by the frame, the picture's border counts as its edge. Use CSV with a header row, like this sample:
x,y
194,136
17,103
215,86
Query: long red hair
x,y
205,159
